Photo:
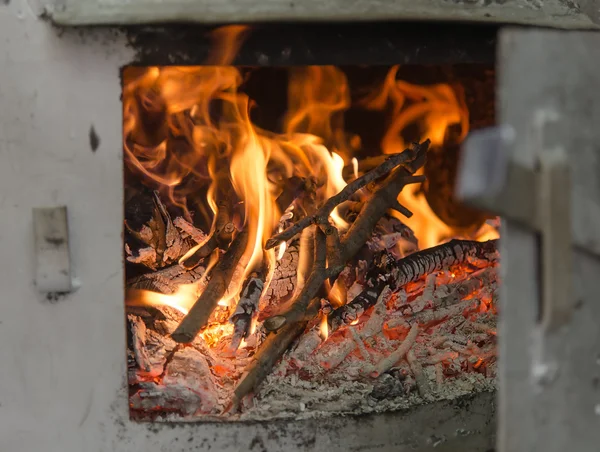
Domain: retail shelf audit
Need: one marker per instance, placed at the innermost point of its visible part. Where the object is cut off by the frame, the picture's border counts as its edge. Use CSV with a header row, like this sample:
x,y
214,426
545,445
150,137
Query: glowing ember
x,y
213,334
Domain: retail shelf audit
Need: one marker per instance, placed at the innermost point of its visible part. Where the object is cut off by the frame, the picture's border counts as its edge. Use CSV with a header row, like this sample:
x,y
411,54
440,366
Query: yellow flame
x,y
324,328
433,109
487,232
335,293
182,300
317,95
355,167
281,251
253,324
213,334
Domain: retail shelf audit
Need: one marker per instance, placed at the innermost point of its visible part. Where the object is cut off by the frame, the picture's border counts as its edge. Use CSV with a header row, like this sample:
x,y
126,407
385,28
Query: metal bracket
x,y
52,260
539,199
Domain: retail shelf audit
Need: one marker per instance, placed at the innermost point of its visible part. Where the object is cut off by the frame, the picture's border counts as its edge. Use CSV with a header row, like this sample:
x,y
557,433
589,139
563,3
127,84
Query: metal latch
x,y
52,260
539,199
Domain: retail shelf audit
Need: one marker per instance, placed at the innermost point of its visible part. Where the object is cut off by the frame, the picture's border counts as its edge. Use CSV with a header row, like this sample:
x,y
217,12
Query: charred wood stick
x,y
306,258
154,232
322,215
377,205
412,268
316,278
161,217
221,276
273,347
348,210
364,165
269,352
246,308
220,237
377,279
332,244
399,207
353,240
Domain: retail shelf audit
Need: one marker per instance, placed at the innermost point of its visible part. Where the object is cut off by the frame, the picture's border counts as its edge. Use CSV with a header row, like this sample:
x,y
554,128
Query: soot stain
x,y
56,241
94,139
54,297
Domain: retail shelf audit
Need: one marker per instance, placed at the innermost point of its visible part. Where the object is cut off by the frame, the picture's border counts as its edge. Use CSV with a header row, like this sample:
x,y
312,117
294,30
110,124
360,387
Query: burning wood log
x,y
283,281
245,310
276,344
220,237
363,165
305,290
412,268
343,249
222,273
273,347
166,281
377,279
323,213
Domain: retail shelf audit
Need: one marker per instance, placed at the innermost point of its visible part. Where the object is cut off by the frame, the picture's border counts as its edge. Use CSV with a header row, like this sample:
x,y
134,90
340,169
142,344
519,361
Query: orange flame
x,y
226,42
188,133
433,109
317,97
323,328
182,300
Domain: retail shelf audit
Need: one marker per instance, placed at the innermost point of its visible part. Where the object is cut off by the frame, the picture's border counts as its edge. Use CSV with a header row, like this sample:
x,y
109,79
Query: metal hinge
x,y
539,199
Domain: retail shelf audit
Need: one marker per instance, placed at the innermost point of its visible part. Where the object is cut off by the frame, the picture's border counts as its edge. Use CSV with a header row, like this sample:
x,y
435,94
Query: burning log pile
x,y
408,325
431,337
305,290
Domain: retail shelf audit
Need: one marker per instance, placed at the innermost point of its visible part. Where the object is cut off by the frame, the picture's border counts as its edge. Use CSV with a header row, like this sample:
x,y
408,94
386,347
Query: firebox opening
x,y
292,244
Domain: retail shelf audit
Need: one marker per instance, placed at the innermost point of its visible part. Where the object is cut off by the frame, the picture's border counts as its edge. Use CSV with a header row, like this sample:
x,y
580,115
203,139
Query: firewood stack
x,y
399,329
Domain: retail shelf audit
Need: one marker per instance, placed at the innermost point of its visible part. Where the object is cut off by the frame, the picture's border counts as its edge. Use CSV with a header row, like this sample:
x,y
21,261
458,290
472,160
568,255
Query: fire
x,y
324,328
182,300
189,133
281,250
317,96
433,109
220,155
